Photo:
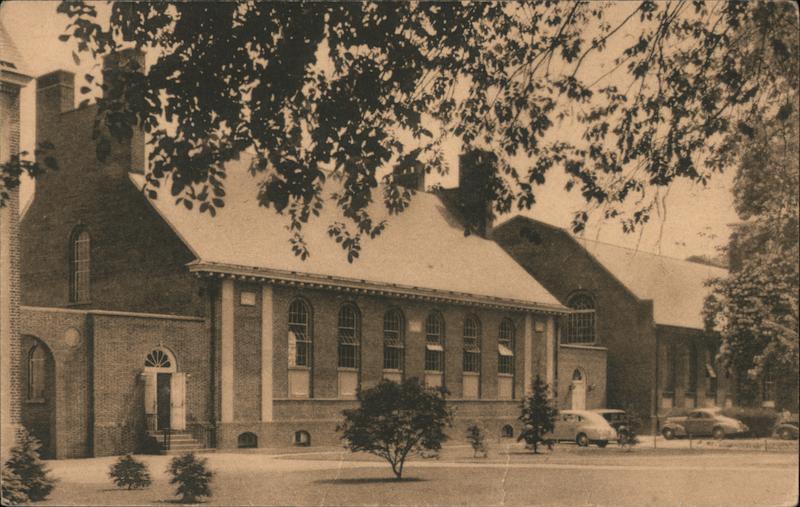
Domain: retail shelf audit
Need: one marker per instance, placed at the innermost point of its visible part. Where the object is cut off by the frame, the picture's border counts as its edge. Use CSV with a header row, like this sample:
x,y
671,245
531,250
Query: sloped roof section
x,y
422,248
676,287
10,58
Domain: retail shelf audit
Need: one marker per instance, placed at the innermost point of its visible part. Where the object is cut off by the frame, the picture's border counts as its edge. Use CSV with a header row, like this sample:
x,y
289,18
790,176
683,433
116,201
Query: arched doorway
x,y
164,392
39,393
578,388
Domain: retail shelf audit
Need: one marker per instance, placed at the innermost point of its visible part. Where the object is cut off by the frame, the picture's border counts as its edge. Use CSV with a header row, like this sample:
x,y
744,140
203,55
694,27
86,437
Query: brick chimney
x,y
55,94
475,170
128,60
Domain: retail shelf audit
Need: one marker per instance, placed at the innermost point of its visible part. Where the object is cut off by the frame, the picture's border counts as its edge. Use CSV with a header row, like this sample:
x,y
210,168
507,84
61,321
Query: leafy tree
x,y
192,477
538,415
349,90
755,308
394,421
477,439
129,473
13,490
26,464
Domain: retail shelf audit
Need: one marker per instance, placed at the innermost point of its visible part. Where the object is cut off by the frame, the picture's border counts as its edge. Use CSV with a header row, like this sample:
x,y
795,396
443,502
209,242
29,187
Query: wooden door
x,y
178,401
163,385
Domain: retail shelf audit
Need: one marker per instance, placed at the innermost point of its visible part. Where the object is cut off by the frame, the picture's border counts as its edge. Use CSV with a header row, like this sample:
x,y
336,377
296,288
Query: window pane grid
x,y
348,338
434,359
393,340
80,268
581,328
298,332
472,347
505,364
472,362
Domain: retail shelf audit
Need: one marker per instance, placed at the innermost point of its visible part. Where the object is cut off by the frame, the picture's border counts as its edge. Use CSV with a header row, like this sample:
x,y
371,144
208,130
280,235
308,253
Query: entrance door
x,y
163,390
578,391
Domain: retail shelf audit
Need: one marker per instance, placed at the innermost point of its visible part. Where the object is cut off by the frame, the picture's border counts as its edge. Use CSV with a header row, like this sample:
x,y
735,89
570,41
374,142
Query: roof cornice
x,y
308,280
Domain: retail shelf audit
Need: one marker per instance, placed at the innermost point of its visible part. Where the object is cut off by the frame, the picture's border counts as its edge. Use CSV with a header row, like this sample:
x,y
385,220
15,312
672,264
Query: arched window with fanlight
x,y
581,328
393,345
79,265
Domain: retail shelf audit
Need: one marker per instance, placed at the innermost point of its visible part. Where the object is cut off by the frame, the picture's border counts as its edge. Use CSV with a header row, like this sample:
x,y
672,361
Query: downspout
x,y
90,381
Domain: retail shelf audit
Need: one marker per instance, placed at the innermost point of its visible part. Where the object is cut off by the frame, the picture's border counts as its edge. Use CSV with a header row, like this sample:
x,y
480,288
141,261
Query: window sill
x,y
392,370
78,304
507,375
300,368
433,372
342,368
472,373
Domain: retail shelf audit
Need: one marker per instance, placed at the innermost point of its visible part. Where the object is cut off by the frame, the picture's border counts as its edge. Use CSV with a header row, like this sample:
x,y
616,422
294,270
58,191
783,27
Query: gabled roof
x,y
422,251
12,66
677,287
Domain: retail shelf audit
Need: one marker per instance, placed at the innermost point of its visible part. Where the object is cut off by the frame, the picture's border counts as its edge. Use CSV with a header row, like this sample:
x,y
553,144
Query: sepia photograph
x,y
396,254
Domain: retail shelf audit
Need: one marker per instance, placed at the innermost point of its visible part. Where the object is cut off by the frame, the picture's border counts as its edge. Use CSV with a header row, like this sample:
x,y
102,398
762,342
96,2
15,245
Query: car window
x,y
579,418
696,415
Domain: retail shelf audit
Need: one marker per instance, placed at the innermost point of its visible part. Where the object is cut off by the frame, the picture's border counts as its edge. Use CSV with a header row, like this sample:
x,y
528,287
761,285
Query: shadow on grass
x,y
371,480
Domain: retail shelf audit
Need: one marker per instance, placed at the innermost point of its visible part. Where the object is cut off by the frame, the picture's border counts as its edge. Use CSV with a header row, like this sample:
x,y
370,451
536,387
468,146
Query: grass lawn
x,y
570,476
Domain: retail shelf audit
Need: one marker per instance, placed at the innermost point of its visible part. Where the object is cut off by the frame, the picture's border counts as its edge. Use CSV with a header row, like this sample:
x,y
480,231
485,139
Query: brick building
x,y
143,316
13,77
643,310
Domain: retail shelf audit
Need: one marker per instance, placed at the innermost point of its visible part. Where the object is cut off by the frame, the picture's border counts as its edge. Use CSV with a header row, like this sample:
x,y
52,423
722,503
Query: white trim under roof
x,y
366,287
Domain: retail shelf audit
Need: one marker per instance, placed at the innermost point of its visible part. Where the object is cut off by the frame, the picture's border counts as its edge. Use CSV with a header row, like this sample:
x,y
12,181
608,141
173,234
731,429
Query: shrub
x,y
26,464
761,421
629,435
13,491
191,476
538,416
394,421
129,473
477,439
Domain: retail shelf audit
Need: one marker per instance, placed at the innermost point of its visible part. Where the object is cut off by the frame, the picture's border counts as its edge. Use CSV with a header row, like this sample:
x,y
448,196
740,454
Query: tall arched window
x,y
393,340
37,372
299,334
80,266
349,339
581,328
434,343
472,344
505,348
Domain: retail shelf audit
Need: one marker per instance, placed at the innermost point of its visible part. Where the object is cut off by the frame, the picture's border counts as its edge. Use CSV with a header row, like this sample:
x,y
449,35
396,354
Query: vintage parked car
x,y
616,418
583,427
787,428
702,422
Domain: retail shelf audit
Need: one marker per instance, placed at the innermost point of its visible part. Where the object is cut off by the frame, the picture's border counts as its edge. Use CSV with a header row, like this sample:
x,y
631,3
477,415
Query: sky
x,y
696,223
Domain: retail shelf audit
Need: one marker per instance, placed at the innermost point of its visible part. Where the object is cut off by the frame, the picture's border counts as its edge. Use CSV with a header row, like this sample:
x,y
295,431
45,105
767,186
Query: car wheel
x,y
668,433
602,443
785,434
718,433
582,440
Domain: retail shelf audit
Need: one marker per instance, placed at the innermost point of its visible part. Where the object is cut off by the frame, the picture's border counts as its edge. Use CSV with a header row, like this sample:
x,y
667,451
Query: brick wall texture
x,y
10,346
142,297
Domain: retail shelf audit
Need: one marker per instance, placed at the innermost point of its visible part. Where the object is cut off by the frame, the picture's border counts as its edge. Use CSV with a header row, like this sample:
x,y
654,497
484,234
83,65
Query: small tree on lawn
x,y
394,421
477,439
191,476
129,473
26,464
538,416
13,491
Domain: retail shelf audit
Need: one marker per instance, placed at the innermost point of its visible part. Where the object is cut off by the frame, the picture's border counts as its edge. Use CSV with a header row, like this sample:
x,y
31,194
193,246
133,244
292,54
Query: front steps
x,y
179,442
